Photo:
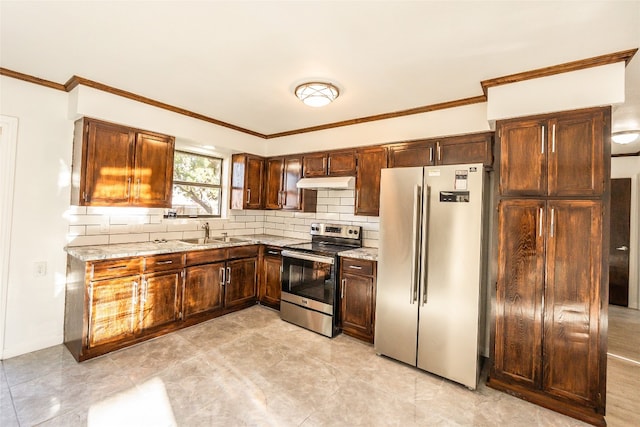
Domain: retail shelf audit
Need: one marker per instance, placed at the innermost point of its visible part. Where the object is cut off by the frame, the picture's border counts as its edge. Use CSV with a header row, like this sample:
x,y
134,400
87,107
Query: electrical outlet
x,y
39,269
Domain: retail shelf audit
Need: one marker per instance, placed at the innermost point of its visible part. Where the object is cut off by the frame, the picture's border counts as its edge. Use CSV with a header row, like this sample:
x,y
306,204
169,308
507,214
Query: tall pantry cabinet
x,y
549,337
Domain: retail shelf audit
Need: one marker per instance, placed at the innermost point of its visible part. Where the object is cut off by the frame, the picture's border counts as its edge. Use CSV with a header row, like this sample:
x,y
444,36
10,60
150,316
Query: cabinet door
x,y
518,328
523,158
203,289
314,165
572,300
159,299
153,177
108,165
240,287
247,178
291,195
113,310
412,154
369,163
341,163
271,278
356,308
273,193
576,159
254,183
464,150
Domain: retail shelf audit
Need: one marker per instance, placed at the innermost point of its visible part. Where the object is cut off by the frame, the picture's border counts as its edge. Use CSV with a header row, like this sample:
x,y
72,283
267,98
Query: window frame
x,y
198,184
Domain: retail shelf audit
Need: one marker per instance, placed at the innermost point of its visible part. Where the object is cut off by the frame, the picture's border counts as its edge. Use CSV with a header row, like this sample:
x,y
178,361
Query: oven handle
x,y
308,257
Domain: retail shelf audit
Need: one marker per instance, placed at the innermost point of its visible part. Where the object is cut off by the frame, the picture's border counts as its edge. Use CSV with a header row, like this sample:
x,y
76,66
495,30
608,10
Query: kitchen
x,y
36,303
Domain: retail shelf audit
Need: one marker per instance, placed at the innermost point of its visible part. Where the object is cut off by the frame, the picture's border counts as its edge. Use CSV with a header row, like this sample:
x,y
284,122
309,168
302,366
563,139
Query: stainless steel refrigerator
x,y
431,269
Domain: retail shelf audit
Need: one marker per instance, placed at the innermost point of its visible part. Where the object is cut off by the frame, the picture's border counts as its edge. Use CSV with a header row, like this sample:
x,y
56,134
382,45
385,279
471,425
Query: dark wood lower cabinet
x,y
270,280
241,282
112,310
203,289
160,299
116,303
358,298
548,337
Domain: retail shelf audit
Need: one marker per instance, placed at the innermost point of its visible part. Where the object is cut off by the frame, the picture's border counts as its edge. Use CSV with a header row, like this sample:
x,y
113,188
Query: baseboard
x,y
28,347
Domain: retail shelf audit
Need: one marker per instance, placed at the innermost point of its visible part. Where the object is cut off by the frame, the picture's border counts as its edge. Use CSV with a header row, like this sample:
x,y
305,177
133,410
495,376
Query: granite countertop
x,y
370,254
123,250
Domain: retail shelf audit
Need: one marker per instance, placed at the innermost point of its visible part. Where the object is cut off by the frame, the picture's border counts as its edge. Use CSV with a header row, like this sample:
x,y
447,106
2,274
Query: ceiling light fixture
x,y
625,136
317,94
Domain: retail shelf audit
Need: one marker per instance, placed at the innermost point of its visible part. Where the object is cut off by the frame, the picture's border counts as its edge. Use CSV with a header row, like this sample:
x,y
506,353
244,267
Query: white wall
x,y
34,316
629,167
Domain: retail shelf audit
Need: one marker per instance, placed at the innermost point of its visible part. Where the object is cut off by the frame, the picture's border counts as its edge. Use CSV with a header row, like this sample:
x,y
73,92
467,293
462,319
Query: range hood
x,y
332,182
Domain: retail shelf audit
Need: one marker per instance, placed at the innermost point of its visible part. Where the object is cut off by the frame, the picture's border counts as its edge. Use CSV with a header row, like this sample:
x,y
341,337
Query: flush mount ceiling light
x,y
316,94
625,136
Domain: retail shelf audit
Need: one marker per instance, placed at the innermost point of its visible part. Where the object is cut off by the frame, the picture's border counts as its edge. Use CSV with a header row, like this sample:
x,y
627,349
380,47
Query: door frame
x,y
8,147
633,172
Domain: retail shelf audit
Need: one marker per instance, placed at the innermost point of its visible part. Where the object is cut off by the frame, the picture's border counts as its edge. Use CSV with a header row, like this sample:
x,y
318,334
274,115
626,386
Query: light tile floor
x,y
247,368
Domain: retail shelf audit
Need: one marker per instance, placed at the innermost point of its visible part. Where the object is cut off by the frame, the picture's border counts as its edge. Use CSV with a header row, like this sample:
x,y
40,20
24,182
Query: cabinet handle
x,y
542,143
329,166
430,154
145,290
248,195
272,252
164,262
343,282
138,185
553,139
117,267
357,267
439,156
540,222
228,275
324,164
128,193
134,302
221,276
553,211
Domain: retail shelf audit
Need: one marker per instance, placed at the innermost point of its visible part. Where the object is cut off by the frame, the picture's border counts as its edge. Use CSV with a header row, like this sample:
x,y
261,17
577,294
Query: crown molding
x,y
596,61
74,81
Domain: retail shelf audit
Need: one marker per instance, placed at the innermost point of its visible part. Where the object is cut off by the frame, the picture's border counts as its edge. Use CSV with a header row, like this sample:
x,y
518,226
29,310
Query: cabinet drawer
x,y
206,256
115,268
357,266
273,252
244,251
163,262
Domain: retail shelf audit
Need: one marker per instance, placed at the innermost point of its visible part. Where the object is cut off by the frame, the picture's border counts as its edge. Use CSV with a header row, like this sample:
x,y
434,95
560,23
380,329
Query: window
x,y
197,184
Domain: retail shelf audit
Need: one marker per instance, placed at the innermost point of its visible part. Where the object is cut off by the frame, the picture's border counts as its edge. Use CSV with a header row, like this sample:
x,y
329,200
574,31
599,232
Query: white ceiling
x,y
239,61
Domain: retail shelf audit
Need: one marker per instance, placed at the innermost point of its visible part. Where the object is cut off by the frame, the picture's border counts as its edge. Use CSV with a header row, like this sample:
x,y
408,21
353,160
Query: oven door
x,y
309,280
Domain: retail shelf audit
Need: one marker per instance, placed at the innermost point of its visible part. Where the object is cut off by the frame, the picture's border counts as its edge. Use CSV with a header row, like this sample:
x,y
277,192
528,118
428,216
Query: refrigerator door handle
x,y
424,242
415,250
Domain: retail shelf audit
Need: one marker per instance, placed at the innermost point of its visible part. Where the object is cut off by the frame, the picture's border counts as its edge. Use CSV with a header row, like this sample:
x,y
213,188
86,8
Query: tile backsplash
x,y
102,225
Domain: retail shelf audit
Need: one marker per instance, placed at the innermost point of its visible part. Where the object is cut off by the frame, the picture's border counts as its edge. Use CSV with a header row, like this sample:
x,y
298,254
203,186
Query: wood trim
x,y
384,116
74,81
596,61
31,79
637,153
77,80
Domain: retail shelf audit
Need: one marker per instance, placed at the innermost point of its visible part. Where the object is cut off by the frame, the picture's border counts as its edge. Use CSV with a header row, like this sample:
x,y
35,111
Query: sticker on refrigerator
x,y
461,180
434,172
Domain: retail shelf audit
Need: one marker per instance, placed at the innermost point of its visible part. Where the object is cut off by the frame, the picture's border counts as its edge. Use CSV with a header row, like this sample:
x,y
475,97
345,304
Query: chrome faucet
x,y
206,230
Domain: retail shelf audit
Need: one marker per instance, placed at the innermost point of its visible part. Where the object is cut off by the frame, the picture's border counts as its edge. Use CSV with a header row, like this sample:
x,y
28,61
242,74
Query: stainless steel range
x,y
309,277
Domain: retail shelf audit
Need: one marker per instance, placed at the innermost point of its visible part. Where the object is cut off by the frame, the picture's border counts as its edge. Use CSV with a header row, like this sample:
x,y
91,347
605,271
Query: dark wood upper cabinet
x,y
417,153
114,165
283,174
333,163
560,155
453,150
273,196
370,161
247,181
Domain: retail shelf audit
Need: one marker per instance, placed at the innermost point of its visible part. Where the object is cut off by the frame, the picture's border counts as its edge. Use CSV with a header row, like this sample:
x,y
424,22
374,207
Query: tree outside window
x,y
197,184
